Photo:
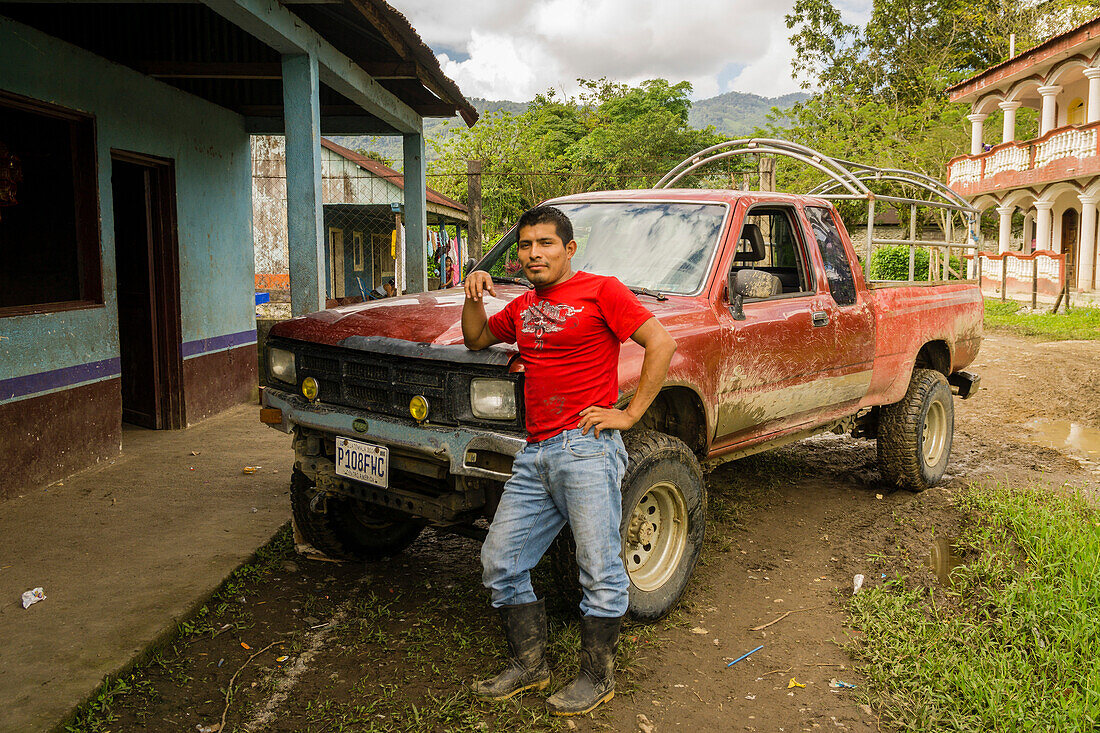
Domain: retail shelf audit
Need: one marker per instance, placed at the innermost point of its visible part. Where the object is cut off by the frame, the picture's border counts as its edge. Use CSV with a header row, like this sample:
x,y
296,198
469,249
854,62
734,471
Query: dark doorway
x,y
147,265
1069,244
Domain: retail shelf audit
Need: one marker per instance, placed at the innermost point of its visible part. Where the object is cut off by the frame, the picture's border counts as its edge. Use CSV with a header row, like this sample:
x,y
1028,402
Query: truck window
x,y
664,246
838,269
769,242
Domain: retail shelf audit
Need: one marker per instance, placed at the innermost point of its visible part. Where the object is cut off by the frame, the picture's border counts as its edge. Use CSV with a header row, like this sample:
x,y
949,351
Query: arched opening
x,y
1070,230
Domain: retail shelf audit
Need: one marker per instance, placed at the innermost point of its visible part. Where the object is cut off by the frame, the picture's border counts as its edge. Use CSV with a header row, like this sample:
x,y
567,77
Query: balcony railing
x,y
1031,155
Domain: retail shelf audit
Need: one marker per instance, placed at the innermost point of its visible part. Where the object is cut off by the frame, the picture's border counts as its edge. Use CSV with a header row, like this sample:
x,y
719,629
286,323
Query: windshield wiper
x,y
511,280
647,291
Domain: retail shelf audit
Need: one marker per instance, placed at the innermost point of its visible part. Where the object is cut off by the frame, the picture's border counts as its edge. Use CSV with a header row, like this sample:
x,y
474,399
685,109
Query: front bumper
x,y
458,446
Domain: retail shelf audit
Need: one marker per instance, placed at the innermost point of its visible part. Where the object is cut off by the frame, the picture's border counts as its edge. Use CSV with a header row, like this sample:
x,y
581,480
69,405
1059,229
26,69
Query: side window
x,y
769,243
833,255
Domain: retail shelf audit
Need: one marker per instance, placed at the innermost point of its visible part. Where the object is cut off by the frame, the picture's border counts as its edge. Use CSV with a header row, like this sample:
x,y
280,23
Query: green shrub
x,y
892,263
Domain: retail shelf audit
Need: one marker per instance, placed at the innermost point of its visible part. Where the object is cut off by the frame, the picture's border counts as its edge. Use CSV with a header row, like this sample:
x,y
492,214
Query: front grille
x,y
359,370
384,384
373,398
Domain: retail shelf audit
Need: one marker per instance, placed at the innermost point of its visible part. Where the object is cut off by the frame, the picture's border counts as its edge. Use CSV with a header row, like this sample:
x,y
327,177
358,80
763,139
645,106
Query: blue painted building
x,y
125,199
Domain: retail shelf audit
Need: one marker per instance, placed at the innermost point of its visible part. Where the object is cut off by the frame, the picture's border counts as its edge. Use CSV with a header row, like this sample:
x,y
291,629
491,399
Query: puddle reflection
x,y
1076,439
943,558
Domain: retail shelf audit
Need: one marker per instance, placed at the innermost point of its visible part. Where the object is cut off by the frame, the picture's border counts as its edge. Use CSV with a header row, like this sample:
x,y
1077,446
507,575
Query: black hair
x,y
548,215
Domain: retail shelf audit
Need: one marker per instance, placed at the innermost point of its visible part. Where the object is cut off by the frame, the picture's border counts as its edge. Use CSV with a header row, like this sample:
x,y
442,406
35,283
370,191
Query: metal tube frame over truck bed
x,y
853,178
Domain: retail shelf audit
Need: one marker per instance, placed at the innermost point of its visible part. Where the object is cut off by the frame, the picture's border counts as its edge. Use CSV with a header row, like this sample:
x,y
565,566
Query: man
x,y
568,330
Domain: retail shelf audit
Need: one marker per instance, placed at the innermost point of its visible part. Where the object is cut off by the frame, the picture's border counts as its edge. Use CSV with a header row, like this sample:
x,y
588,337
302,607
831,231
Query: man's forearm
x,y
473,323
654,369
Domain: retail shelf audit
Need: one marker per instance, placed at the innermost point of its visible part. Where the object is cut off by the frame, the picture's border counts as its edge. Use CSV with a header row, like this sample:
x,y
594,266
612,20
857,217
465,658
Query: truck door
x,y
780,369
851,320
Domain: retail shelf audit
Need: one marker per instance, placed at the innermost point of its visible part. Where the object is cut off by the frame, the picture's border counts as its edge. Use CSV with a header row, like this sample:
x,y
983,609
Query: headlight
x,y
493,399
281,364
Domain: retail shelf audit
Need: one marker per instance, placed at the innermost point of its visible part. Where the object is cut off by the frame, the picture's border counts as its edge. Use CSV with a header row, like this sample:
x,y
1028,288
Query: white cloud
x,y
515,49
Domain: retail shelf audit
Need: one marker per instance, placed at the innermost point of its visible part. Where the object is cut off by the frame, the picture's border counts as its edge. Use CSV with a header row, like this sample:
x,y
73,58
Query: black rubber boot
x,y
595,683
525,631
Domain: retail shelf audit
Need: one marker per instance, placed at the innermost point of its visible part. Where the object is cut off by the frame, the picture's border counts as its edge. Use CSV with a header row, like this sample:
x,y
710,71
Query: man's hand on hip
x,y
605,418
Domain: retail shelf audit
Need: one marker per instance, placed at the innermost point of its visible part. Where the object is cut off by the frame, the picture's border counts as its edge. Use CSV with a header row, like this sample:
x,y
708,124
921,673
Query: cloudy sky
x,y
514,49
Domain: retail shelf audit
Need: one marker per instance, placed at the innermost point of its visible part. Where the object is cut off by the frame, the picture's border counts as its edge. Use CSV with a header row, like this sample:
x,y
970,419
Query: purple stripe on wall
x,y
57,378
69,376
216,343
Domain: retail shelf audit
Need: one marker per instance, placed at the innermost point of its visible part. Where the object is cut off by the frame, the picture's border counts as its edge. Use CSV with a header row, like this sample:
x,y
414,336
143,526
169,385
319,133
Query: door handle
x,y
821,318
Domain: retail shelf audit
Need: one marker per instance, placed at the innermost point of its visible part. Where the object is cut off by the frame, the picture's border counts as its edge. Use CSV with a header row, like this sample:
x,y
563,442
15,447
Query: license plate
x,y
363,462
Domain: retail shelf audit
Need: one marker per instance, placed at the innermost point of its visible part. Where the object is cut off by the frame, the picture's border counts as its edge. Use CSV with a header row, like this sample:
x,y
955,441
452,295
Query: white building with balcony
x,y
1044,190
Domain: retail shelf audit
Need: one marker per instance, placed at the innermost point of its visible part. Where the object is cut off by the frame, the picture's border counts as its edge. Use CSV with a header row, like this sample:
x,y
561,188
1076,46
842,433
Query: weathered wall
x,y
44,358
342,182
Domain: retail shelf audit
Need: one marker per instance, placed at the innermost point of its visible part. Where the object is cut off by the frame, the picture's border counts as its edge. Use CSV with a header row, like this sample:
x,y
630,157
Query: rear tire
x,y
348,529
662,527
914,434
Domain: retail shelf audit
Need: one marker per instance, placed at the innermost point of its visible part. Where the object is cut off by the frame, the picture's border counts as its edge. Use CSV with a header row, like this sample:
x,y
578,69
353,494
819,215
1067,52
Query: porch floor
x,y
124,551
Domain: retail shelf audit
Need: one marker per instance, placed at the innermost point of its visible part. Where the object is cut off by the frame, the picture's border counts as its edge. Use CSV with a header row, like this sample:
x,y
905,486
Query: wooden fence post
x,y
473,199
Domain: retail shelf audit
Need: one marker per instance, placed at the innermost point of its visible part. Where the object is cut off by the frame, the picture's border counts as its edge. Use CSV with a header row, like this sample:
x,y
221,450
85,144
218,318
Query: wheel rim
x,y
656,536
935,433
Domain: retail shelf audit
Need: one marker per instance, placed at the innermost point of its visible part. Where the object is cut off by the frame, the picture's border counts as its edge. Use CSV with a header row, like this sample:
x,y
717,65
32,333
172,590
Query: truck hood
x,y
428,318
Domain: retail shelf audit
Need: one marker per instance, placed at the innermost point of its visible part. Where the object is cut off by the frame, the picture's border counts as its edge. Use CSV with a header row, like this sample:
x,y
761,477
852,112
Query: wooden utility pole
x,y
473,198
767,173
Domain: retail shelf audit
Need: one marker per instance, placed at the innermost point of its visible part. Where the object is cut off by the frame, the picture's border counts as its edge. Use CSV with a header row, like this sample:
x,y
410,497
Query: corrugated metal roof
x,y
193,48
384,171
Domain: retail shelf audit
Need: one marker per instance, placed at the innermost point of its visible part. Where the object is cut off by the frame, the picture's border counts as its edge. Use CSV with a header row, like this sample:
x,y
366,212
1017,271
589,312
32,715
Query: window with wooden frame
x,y
49,208
357,251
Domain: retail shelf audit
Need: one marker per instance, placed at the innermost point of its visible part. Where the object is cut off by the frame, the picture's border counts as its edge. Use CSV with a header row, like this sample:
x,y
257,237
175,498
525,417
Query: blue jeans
x,y
572,478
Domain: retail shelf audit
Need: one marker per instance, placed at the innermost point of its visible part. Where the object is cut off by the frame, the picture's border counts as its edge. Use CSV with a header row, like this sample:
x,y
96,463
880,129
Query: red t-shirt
x,y
568,336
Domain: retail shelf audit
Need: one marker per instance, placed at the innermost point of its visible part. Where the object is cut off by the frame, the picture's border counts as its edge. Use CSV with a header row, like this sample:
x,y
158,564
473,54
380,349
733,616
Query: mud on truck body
x,y
780,335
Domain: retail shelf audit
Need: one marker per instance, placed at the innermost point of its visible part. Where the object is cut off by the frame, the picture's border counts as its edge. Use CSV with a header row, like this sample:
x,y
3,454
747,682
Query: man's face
x,y
545,259
390,290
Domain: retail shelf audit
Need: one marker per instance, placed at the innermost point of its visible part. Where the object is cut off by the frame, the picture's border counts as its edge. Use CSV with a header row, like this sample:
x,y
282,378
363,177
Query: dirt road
x,y
392,645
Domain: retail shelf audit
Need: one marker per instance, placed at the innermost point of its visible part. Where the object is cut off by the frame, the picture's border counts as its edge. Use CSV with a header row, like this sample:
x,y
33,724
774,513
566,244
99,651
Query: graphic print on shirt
x,y
545,317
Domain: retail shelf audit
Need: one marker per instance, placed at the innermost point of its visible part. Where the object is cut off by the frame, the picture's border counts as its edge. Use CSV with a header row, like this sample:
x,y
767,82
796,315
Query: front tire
x,y
348,529
662,527
915,434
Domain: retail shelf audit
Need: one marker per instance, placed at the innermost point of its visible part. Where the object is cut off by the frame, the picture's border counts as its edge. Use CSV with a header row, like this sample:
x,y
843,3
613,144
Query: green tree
x,y
609,136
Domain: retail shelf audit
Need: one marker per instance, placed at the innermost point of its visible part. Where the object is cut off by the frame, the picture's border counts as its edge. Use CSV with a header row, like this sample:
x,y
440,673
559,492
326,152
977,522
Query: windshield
x,y
665,247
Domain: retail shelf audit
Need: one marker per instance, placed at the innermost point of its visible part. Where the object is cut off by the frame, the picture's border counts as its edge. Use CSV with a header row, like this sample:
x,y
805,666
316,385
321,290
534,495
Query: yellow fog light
x,y
418,408
310,388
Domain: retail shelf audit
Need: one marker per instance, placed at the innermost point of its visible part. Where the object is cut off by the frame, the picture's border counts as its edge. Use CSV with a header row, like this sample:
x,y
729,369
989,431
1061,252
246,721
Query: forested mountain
x,y
732,113
738,113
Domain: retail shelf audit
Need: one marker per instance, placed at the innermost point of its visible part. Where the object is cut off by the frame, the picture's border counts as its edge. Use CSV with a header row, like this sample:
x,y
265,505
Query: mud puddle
x,y
943,558
1078,441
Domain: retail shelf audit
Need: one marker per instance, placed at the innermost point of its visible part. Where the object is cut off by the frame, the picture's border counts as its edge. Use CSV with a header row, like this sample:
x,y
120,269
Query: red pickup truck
x,y
397,425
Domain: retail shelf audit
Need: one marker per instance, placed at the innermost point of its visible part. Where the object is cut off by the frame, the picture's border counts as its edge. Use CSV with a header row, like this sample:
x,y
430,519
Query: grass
x,y
133,688
1079,323
1013,643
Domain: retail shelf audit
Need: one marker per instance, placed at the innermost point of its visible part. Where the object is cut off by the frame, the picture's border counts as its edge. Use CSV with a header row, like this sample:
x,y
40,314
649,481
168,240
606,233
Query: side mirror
x,y
737,300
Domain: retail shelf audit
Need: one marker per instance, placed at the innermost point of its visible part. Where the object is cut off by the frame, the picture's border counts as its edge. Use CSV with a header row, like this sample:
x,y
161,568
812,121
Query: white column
x,y
1042,224
1049,95
1086,250
976,121
1092,111
1008,130
1004,233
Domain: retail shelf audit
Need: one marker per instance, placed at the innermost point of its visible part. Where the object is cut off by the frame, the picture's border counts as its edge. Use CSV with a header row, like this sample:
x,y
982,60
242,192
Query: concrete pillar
x,y
1042,224
1092,110
976,121
1008,129
1047,120
1004,232
1086,250
416,214
304,205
